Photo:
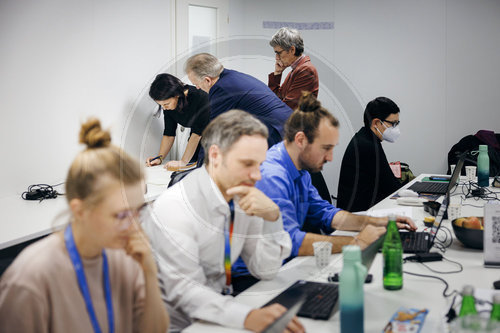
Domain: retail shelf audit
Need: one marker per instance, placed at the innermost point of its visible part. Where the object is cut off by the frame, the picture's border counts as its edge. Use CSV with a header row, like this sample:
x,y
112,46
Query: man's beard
x,y
310,168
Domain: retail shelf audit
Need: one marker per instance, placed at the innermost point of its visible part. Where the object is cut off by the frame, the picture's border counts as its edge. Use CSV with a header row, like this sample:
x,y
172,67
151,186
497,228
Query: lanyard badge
x,y
228,233
82,281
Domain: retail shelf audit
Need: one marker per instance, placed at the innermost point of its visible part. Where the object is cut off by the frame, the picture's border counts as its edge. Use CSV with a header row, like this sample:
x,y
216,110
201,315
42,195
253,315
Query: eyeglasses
x,y
393,123
124,219
278,53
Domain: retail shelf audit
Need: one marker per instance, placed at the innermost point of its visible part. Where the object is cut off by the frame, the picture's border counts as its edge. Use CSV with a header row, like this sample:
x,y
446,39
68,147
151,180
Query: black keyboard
x,y
429,187
415,242
320,298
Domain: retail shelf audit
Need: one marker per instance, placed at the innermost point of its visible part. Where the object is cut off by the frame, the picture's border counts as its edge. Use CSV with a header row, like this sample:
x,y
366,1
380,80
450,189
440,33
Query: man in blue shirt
x,y
311,133
228,89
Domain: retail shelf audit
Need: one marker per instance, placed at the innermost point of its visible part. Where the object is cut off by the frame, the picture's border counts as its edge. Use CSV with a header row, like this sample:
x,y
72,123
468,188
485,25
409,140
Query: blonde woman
x,y
98,274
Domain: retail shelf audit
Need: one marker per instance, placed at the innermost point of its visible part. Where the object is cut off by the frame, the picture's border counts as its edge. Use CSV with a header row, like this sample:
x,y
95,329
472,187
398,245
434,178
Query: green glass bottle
x,y
468,302
393,257
495,311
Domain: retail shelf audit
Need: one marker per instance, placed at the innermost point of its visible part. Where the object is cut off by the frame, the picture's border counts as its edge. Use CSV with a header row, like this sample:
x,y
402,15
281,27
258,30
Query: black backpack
x,y
470,143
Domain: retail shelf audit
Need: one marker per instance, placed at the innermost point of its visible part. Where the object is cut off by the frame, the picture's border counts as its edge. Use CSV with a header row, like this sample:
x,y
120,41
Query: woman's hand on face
x,y
138,247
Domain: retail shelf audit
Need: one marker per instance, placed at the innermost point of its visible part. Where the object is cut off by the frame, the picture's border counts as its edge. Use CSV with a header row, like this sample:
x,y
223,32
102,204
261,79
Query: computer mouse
x,y
496,284
410,201
407,193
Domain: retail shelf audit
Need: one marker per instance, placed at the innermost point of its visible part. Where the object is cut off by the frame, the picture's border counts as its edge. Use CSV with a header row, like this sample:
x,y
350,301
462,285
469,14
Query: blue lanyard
x,y
82,282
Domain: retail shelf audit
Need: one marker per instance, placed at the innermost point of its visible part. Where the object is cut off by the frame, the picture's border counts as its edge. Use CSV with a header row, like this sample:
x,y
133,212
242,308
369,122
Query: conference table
x,y
381,304
27,220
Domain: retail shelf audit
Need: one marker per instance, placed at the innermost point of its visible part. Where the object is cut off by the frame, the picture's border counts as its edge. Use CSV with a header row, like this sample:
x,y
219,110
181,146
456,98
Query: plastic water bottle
x,y
483,167
393,257
351,295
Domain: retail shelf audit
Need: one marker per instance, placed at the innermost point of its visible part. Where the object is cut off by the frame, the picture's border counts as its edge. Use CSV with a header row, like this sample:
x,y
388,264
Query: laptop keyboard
x,y
320,300
415,242
429,187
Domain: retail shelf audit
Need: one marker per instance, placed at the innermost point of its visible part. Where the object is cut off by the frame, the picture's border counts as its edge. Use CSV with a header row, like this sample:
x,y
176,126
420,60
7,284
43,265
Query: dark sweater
x,y
365,175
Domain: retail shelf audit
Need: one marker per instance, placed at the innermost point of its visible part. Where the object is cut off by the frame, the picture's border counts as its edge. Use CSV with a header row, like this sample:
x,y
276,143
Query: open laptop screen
x,y
446,201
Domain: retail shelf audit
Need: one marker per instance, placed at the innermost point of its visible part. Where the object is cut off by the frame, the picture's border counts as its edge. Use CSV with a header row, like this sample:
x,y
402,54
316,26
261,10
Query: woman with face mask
x,y
365,174
97,274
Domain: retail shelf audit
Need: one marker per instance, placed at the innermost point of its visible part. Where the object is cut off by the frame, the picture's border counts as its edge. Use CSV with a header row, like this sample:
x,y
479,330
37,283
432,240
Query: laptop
x,y
422,242
439,187
320,297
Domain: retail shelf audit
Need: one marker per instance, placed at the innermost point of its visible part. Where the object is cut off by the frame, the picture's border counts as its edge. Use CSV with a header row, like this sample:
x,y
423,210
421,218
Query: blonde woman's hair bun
x,y
93,136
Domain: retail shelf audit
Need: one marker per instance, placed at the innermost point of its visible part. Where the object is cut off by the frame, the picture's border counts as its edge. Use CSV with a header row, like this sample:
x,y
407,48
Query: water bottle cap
x,y
483,148
351,253
468,290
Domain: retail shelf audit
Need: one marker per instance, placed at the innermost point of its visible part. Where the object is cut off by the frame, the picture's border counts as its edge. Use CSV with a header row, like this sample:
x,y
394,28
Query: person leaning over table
x,y
365,175
229,89
311,133
215,214
99,273
184,105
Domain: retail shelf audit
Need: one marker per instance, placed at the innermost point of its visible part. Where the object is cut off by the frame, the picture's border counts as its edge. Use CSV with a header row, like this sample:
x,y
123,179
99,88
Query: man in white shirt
x,y
192,234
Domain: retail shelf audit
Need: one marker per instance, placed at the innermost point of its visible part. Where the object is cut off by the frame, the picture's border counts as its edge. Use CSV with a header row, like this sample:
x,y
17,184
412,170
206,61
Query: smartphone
x,y
335,278
442,178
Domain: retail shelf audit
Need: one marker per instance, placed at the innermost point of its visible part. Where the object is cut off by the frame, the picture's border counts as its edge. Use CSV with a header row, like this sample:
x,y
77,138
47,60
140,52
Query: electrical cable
x,y
438,278
448,272
41,192
472,190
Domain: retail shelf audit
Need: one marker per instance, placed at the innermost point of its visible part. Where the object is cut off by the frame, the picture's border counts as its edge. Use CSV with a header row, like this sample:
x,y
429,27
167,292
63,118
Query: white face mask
x,y
391,134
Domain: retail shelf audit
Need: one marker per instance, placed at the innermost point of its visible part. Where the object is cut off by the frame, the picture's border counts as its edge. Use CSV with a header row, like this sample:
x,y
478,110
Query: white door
x,y
198,26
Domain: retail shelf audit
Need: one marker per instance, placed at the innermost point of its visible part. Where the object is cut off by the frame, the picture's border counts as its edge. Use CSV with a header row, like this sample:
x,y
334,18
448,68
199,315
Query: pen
x,y
157,157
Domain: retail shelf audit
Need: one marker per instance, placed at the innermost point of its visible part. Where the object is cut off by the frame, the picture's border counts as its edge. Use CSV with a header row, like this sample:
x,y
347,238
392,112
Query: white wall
x,y
438,60
62,61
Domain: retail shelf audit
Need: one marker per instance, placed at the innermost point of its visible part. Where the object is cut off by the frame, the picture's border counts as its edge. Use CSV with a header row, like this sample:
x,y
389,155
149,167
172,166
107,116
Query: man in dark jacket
x,y
365,175
228,89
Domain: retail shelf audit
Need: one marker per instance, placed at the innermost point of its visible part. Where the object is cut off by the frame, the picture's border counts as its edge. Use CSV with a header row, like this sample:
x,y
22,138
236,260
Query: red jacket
x,y
303,78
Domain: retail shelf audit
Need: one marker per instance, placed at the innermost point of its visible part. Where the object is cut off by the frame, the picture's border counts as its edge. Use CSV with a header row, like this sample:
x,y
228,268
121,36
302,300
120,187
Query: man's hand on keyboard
x,y
403,222
368,235
258,319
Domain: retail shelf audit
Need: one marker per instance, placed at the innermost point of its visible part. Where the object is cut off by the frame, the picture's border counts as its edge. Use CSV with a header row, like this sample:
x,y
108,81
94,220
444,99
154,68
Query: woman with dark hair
x,y
184,105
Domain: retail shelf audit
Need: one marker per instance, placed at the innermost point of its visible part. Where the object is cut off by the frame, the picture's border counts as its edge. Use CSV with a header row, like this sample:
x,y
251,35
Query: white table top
x,y
380,304
157,179
25,220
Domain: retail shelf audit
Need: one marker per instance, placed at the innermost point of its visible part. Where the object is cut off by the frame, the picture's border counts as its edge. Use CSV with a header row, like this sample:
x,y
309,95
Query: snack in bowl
x,y
471,222
469,231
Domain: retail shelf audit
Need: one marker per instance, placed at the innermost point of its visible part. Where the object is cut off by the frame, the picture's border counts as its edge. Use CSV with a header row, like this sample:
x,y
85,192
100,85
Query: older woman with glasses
x,y
288,48
98,274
